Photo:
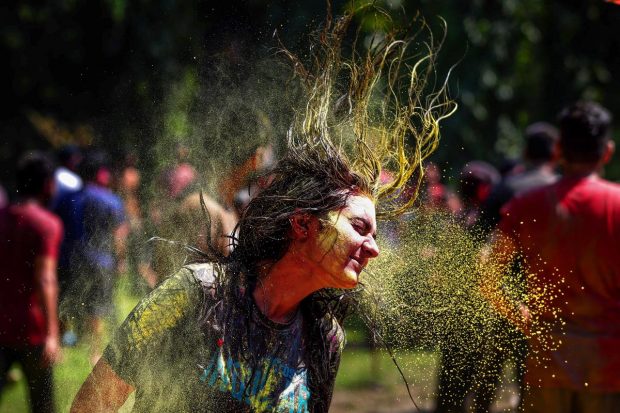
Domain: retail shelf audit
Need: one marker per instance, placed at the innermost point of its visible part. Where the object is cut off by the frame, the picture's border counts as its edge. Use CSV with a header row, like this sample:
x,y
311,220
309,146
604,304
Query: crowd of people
x,y
68,232
75,224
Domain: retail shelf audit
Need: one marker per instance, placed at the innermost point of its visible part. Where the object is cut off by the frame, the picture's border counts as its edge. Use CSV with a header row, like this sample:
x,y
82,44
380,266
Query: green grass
x,y
363,369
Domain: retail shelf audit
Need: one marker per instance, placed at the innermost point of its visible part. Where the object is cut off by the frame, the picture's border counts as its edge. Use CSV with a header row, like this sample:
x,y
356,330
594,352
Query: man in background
x,y
539,161
30,238
539,156
95,218
568,235
183,219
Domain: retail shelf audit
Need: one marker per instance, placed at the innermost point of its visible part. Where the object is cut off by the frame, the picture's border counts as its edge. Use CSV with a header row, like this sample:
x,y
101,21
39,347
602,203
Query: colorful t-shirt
x,y
569,235
178,360
27,232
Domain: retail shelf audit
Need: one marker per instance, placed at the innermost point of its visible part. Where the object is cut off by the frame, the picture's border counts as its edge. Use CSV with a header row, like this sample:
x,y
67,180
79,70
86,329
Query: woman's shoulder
x,y
204,272
207,275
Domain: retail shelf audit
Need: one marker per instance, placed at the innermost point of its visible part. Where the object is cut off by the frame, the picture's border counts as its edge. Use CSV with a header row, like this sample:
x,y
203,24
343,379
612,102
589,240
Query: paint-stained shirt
x,y
179,359
569,235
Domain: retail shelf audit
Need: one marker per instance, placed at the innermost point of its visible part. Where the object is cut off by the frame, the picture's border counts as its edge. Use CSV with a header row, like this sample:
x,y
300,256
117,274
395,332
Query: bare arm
x,y
496,261
120,245
47,286
103,391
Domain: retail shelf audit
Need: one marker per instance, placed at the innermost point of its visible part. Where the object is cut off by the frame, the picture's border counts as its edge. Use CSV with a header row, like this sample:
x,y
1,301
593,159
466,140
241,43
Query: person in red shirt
x,y
30,238
568,234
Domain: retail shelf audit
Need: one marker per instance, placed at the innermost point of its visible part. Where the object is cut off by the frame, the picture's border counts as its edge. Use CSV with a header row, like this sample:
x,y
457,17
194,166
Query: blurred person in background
x,y
68,185
477,178
128,183
539,160
503,342
436,196
30,238
95,217
128,188
182,216
568,235
179,221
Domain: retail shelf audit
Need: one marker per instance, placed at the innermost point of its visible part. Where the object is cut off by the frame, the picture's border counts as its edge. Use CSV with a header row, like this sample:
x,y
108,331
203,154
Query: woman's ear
x,y
300,225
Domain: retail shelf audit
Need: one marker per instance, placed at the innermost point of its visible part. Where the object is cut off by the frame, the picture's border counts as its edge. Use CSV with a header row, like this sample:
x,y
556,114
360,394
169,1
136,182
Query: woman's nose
x,y
371,248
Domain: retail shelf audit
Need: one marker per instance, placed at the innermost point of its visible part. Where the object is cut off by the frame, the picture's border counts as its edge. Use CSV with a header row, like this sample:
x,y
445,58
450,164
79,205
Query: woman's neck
x,y
281,287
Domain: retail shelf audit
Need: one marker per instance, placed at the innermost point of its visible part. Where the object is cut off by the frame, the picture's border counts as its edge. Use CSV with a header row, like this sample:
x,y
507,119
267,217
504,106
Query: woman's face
x,y
342,247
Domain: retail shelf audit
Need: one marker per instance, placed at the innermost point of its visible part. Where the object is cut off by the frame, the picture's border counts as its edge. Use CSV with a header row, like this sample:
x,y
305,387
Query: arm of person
x,y
103,391
120,245
47,285
496,261
148,274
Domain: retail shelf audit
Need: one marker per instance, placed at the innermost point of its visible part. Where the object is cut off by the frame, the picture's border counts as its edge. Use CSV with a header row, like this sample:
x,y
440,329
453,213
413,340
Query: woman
x,y
265,341
260,330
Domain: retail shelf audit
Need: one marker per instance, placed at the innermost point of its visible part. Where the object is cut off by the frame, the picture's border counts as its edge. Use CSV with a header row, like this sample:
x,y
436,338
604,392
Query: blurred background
x,y
147,81
126,75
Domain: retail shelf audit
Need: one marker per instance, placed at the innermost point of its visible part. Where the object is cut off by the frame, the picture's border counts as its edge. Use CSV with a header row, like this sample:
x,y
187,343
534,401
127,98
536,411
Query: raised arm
x,y
103,391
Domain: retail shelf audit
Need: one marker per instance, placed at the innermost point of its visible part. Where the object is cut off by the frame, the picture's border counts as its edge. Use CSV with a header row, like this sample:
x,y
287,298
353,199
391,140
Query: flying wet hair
x,y
377,110
373,113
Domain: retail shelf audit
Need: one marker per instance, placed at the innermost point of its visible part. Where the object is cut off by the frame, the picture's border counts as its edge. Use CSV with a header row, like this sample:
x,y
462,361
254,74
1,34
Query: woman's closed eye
x,y
362,227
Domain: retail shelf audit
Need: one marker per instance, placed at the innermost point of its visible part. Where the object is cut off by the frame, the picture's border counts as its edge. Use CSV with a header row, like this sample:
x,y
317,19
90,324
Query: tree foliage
x,y
125,74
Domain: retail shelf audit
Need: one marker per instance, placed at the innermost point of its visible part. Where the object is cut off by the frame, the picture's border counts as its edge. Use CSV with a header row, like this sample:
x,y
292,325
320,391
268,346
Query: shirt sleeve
x,y
152,323
51,237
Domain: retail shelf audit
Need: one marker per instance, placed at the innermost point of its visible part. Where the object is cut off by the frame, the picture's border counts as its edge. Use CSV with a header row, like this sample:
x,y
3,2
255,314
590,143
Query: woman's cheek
x,y
328,240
